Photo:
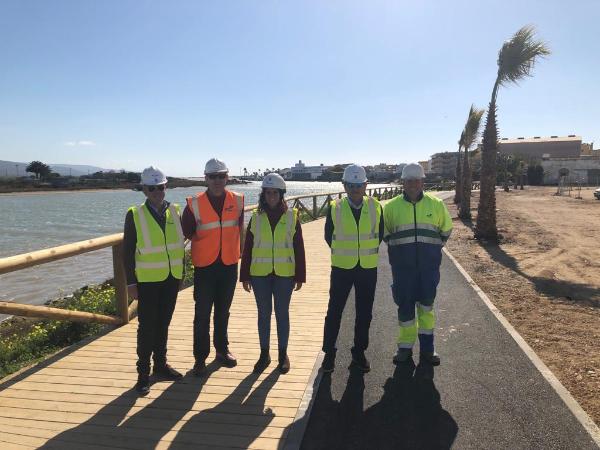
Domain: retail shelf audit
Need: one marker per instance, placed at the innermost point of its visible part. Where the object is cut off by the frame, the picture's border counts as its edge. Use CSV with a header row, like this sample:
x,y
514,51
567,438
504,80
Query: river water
x,y
36,221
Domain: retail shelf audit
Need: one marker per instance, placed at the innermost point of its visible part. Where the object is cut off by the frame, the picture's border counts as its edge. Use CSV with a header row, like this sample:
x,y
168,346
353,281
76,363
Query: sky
x,y
262,84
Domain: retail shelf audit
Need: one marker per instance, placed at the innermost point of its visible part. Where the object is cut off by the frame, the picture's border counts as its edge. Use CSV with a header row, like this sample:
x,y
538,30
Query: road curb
x,y
583,418
298,426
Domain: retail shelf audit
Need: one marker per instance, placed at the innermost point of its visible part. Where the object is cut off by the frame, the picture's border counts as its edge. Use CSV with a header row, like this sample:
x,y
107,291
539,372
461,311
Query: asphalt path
x,y
486,394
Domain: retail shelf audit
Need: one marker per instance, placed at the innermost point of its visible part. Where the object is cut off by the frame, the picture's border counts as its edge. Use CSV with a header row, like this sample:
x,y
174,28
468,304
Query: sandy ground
x,y
545,278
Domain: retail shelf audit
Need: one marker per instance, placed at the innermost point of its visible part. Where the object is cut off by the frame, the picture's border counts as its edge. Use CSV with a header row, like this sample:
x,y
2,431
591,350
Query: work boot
x,y
199,369
430,357
142,387
166,372
284,362
403,355
263,361
360,361
226,359
328,364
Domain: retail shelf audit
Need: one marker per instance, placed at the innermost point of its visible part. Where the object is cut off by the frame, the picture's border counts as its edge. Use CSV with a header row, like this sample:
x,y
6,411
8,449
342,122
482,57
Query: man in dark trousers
x,y
353,230
213,220
153,258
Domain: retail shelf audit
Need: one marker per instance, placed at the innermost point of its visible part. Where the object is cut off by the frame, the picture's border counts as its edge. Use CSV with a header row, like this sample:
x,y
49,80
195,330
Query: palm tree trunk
x,y
458,185
465,204
486,210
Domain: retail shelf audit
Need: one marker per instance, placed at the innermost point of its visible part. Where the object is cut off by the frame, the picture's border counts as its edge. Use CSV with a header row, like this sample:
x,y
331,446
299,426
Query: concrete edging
x,y
583,418
295,435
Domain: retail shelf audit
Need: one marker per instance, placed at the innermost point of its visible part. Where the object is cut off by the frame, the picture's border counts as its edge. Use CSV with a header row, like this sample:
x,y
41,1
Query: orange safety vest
x,y
214,234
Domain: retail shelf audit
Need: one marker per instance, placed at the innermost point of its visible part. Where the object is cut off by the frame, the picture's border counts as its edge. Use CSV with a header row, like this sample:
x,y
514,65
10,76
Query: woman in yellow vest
x,y
273,262
153,259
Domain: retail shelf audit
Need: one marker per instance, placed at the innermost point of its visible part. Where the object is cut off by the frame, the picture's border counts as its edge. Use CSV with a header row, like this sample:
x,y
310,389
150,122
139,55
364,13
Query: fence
x,y
311,209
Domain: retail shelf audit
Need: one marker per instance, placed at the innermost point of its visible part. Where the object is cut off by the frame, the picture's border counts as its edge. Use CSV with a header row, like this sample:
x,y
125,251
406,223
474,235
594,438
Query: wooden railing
x,y
125,311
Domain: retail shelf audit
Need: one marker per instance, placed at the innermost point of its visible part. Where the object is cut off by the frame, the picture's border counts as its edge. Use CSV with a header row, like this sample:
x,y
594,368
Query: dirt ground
x,y
545,278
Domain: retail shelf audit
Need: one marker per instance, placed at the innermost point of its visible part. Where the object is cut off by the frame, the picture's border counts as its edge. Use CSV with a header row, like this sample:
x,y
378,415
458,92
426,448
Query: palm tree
x,y
458,186
469,136
516,60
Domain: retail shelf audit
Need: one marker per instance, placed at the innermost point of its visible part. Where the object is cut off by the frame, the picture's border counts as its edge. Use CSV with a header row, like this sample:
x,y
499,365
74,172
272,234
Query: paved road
x,y
486,394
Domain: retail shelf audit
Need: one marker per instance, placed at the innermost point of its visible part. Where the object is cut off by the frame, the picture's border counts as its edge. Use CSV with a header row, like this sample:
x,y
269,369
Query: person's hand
x,y
298,285
247,286
132,291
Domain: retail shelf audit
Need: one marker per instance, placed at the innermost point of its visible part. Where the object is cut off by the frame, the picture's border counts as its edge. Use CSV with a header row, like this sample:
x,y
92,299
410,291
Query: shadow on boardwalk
x,y
170,417
409,414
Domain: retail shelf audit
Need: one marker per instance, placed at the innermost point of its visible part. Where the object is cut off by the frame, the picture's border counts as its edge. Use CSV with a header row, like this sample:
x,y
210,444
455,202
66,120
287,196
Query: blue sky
x,y
125,84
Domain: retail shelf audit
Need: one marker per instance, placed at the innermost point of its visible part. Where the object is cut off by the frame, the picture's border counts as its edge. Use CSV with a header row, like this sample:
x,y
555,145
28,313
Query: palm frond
x,y
471,130
518,55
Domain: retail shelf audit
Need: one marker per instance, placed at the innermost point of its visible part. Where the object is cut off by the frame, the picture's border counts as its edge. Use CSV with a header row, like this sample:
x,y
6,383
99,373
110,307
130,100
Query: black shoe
x,y
263,361
166,372
199,369
403,355
430,357
142,387
361,362
284,362
226,359
328,364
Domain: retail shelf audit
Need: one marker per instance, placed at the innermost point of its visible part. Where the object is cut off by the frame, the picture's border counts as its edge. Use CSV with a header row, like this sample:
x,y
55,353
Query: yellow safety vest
x,y
352,244
273,251
157,253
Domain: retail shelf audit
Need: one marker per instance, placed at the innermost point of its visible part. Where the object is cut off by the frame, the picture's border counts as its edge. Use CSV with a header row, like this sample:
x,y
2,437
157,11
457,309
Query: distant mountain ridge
x,y
13,168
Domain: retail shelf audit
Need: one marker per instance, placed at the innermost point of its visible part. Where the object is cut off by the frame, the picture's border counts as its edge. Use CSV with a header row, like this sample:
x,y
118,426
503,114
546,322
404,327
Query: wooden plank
x,y
84,400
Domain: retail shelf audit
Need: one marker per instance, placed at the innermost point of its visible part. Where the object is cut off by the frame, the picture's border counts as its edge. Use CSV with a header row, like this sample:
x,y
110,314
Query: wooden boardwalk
x,y
83,400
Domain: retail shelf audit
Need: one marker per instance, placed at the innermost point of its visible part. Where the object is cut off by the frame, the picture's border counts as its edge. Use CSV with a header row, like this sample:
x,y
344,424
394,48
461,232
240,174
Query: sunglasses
x,y
214,176
354,185
160,187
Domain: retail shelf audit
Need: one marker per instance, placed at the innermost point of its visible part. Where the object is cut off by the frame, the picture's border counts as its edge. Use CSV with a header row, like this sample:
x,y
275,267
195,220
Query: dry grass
x,y
545,278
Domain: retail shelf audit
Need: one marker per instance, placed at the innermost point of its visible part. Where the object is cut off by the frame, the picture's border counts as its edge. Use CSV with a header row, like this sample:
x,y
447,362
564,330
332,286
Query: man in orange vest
x,y
214,220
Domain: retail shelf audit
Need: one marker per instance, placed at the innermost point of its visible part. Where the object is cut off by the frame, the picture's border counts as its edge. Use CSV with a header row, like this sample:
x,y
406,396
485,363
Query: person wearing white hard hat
x,y
213,220
153,258
273,263
353,230
417,226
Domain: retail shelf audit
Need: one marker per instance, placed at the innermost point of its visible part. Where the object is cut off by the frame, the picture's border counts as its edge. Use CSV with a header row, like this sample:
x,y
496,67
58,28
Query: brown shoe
x,y
263,361
226,359
284,362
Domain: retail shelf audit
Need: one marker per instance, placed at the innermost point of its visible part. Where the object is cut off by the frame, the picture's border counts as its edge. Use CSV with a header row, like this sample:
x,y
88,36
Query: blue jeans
x,y
268,290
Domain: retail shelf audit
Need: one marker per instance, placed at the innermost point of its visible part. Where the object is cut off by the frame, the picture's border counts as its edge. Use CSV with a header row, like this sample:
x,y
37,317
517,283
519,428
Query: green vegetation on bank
x,y
26,341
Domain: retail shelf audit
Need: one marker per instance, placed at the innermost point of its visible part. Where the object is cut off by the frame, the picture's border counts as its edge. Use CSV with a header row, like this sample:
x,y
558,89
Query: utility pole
x,y
17,168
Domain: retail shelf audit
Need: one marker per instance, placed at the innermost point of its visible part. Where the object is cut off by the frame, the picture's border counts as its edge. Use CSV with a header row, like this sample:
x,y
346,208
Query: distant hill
x,y
13,168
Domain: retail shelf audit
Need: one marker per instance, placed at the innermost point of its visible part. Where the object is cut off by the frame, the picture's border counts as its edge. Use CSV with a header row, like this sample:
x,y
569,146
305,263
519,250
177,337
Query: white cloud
x,y
80,143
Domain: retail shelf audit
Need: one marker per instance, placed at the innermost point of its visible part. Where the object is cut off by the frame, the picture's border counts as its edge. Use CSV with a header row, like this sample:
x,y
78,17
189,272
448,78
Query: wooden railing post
x,y
120,283
314,207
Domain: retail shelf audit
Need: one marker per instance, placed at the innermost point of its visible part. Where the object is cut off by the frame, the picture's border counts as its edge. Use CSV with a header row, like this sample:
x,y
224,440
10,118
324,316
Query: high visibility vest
x,y
352,244
416,232
158,253
214,234
273,251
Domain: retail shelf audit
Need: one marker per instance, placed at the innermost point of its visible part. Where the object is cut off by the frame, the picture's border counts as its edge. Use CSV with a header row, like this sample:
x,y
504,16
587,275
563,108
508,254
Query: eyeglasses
x,y
214,176
354,185
160,187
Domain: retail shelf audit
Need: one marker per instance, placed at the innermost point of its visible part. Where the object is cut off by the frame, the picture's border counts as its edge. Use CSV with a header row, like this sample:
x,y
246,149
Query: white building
x,y
300,171
585,169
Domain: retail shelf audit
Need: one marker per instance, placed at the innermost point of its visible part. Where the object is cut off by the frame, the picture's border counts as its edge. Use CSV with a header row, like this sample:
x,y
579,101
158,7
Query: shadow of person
x,y
239,420
409,414
145,426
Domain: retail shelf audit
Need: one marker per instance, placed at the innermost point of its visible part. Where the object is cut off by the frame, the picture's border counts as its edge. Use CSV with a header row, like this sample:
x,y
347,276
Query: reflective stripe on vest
x,y
350,243
158,253
216,235
423,222
273,251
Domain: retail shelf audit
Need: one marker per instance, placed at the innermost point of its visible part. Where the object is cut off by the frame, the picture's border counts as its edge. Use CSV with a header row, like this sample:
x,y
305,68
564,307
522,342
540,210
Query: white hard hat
x,y
273,180
151,176
413,171
354,174
215,165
